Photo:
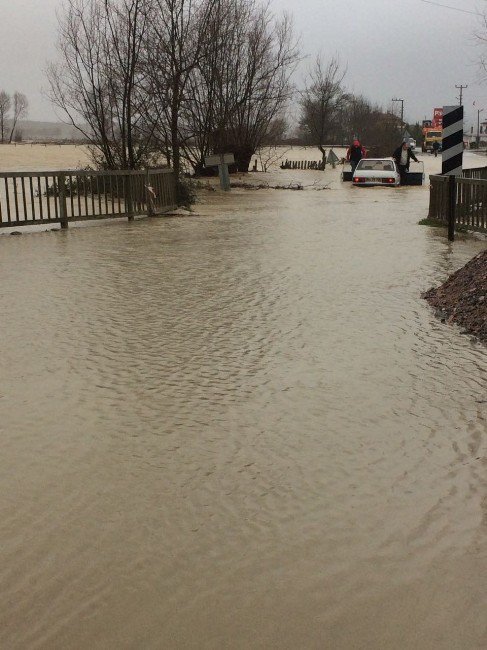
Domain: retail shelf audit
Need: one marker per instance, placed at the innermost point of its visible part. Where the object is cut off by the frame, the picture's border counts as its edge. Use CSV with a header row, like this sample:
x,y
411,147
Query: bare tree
x,y
20,106
378,130
242,82
5,104
208,105
143,77
322,102
480,36
99,82
178,32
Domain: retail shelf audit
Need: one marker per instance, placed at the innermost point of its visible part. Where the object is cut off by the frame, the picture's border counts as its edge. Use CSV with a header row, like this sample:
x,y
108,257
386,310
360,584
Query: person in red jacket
x,y
355,153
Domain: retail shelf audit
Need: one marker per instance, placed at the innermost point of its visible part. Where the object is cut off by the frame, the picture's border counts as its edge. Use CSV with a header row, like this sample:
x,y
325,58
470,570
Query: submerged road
x,y
243,429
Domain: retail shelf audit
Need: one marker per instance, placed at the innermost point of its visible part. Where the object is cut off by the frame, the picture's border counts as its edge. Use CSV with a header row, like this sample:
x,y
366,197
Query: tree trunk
x,y
243,158
323,156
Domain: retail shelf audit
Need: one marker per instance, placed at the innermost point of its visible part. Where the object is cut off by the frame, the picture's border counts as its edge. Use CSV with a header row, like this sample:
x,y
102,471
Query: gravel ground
x,y
462,299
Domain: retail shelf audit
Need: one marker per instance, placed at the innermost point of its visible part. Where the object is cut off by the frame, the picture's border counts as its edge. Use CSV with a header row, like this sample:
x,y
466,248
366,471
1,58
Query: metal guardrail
x,y
32,198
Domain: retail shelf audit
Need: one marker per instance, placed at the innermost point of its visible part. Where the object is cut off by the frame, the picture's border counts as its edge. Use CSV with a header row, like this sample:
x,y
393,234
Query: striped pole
x,y
452,141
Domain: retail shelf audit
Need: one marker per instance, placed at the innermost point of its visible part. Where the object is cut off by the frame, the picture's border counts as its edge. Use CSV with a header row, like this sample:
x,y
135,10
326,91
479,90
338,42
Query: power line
x,y
463,11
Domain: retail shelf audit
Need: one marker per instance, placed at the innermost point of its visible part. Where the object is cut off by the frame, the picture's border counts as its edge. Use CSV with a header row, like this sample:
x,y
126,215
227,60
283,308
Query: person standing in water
x,y
355,153
402,155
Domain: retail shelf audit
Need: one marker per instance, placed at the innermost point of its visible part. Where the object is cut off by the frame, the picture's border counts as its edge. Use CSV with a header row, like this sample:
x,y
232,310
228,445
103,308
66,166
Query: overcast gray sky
x,y
410,49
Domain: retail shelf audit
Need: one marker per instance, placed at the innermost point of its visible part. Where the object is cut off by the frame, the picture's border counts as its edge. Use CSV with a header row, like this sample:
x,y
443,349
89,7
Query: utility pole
x,y
478,126
402,109
460,88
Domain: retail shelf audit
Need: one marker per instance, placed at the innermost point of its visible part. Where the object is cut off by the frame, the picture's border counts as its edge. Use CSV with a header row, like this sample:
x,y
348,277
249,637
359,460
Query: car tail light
x,y
358,179
389,180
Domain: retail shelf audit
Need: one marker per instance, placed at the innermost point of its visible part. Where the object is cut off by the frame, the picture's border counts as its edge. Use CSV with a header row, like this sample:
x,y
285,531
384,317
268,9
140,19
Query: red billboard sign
x,y
438,118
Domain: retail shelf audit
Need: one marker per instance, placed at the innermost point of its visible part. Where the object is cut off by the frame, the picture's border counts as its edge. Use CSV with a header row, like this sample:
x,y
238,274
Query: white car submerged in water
x,y
376,171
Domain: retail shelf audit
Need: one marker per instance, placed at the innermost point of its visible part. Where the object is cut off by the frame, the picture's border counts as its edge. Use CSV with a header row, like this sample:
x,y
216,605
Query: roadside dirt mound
x,y
462,299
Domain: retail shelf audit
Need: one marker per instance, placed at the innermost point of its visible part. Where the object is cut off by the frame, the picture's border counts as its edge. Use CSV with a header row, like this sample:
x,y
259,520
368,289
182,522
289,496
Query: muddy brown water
x,y
241,429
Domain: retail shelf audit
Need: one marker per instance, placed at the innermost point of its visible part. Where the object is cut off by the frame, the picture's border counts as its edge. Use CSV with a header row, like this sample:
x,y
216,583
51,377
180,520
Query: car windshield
x,y
376,165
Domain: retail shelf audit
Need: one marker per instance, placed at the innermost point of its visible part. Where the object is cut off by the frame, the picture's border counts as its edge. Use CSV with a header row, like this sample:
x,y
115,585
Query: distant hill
x,y
46,131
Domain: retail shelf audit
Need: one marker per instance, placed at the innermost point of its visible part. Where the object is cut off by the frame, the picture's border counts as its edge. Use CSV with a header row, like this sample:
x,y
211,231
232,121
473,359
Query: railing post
x,y
129,201
433,201
452,196
63,211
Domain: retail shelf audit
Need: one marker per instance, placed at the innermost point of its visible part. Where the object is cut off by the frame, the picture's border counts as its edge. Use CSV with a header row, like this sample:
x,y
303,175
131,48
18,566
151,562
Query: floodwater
x,y
28,157
242,429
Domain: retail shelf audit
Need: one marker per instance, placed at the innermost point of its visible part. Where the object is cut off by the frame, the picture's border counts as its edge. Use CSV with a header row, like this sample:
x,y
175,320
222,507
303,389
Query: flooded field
x,y
40,157
242,429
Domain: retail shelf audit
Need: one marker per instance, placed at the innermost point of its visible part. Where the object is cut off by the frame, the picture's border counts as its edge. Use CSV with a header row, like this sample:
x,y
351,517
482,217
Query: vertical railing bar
x,y
39,194
7,195
112,198
474,201
71,197
32,202
458,211
46,184
80,183
105,193
99,195
16,202
56,196
480,206
481,210
470,208
471,204
63,212
85,195
476,215
481,217
92,196
24,197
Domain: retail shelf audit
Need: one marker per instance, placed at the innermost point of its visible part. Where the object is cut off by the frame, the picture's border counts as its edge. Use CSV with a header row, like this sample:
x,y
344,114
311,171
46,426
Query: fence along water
x,y
470,199
31,198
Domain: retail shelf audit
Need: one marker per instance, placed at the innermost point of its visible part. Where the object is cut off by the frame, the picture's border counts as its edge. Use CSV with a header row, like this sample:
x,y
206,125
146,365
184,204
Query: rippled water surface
x,y
241,429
